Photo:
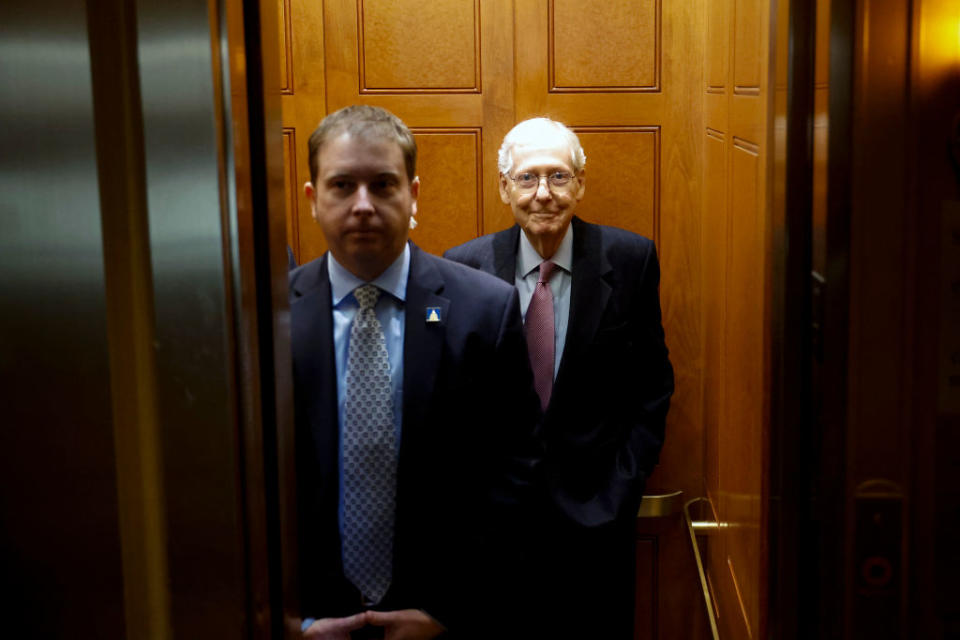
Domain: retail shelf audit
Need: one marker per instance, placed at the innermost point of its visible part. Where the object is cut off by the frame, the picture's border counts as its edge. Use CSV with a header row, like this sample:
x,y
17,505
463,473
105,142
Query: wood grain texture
x,y
285,24
748,50
715,243
291,190
485,106
679,246
613,46
741,454
623,178
718,38
411,46
450,195
735,277
303,106
582,93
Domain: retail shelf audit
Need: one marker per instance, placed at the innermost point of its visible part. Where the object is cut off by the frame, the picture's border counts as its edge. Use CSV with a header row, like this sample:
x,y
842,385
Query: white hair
x,y
534,131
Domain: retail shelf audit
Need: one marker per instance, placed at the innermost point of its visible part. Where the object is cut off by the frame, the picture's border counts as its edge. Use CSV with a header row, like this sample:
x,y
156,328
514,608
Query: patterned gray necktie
x,y
369,455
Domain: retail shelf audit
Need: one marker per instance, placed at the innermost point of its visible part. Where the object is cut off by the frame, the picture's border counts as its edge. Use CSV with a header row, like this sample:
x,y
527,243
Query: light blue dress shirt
x,y
525,279
389,310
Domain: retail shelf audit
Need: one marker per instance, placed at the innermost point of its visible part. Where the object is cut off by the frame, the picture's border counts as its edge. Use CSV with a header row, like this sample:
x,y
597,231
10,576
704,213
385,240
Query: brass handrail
x,y
660,505
703,526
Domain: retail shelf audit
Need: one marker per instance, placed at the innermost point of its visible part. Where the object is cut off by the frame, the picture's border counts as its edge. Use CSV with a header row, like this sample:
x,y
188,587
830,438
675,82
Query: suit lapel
x,y
313,326
505,245
423,342
589,293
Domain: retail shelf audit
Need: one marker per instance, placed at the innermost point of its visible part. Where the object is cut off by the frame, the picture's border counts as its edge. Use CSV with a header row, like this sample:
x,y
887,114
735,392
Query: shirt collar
x,y
393,280
529,259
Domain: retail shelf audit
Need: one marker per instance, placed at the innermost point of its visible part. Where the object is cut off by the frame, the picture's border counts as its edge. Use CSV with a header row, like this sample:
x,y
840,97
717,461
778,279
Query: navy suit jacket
x,y
604,426
467,450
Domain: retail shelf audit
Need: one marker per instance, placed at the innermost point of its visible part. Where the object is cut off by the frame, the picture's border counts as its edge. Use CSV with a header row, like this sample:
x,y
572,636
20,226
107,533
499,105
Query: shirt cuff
x,y
306,624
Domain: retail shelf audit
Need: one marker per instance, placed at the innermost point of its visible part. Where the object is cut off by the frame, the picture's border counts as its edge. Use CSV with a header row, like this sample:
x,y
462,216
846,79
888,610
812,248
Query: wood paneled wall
x,y
736,176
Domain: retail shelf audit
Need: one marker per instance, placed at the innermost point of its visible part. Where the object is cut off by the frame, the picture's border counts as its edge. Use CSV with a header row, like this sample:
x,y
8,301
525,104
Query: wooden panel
x,y
747,49
669,603
444,98
717,53
715,251
303,106
286,47
716,111
291,190
451,194
623,181
407,45
310,241
646,605
585,100
629,59
306,45
679,245
735,277
741,449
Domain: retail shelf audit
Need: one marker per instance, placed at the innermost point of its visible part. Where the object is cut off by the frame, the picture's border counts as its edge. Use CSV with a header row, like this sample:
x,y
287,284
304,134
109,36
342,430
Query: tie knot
x,y
546,270
367,295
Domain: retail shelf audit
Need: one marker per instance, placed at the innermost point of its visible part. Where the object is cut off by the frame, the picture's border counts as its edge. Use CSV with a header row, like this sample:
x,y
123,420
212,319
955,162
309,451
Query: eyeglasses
x,y
556,180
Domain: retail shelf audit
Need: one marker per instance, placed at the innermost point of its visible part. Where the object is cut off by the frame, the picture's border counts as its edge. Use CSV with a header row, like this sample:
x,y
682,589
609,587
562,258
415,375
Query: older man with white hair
x,y
590,301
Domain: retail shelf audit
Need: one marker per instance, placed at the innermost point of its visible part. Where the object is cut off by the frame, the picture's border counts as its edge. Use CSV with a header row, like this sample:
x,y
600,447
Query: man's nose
x,y
543,188
361,200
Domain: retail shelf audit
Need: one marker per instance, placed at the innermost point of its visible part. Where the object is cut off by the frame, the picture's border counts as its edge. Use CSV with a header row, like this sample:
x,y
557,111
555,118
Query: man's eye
x,y
382,186
526,177
559,176
341,185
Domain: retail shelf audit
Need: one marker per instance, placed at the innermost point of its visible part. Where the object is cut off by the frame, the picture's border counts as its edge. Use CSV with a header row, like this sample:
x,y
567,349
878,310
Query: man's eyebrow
x,y
350,175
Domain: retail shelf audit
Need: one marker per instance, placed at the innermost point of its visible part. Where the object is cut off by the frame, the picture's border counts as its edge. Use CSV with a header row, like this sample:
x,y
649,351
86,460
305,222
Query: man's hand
x,y
335,628
408,624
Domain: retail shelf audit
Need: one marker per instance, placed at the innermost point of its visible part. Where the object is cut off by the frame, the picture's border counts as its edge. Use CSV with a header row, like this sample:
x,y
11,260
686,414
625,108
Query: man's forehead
x,y
542,152
351,154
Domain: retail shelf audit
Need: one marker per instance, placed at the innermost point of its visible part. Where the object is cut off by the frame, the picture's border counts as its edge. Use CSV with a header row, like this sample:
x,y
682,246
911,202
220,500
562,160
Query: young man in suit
x,y
415,412
589,294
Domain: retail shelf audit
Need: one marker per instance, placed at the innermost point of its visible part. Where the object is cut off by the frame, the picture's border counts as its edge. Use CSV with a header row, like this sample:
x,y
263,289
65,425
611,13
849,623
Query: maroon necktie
x,y
538,326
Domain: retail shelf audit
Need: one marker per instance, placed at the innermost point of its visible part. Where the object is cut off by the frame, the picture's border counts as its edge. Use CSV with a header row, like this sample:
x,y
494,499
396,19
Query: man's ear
x,y
504,189
414,194
311,195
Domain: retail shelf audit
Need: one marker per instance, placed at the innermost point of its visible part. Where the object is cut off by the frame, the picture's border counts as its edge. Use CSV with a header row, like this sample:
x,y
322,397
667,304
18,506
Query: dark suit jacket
x,y
465,459
604,426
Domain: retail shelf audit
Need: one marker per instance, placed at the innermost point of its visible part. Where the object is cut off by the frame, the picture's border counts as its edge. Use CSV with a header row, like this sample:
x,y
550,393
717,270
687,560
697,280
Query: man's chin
x,y
546,225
